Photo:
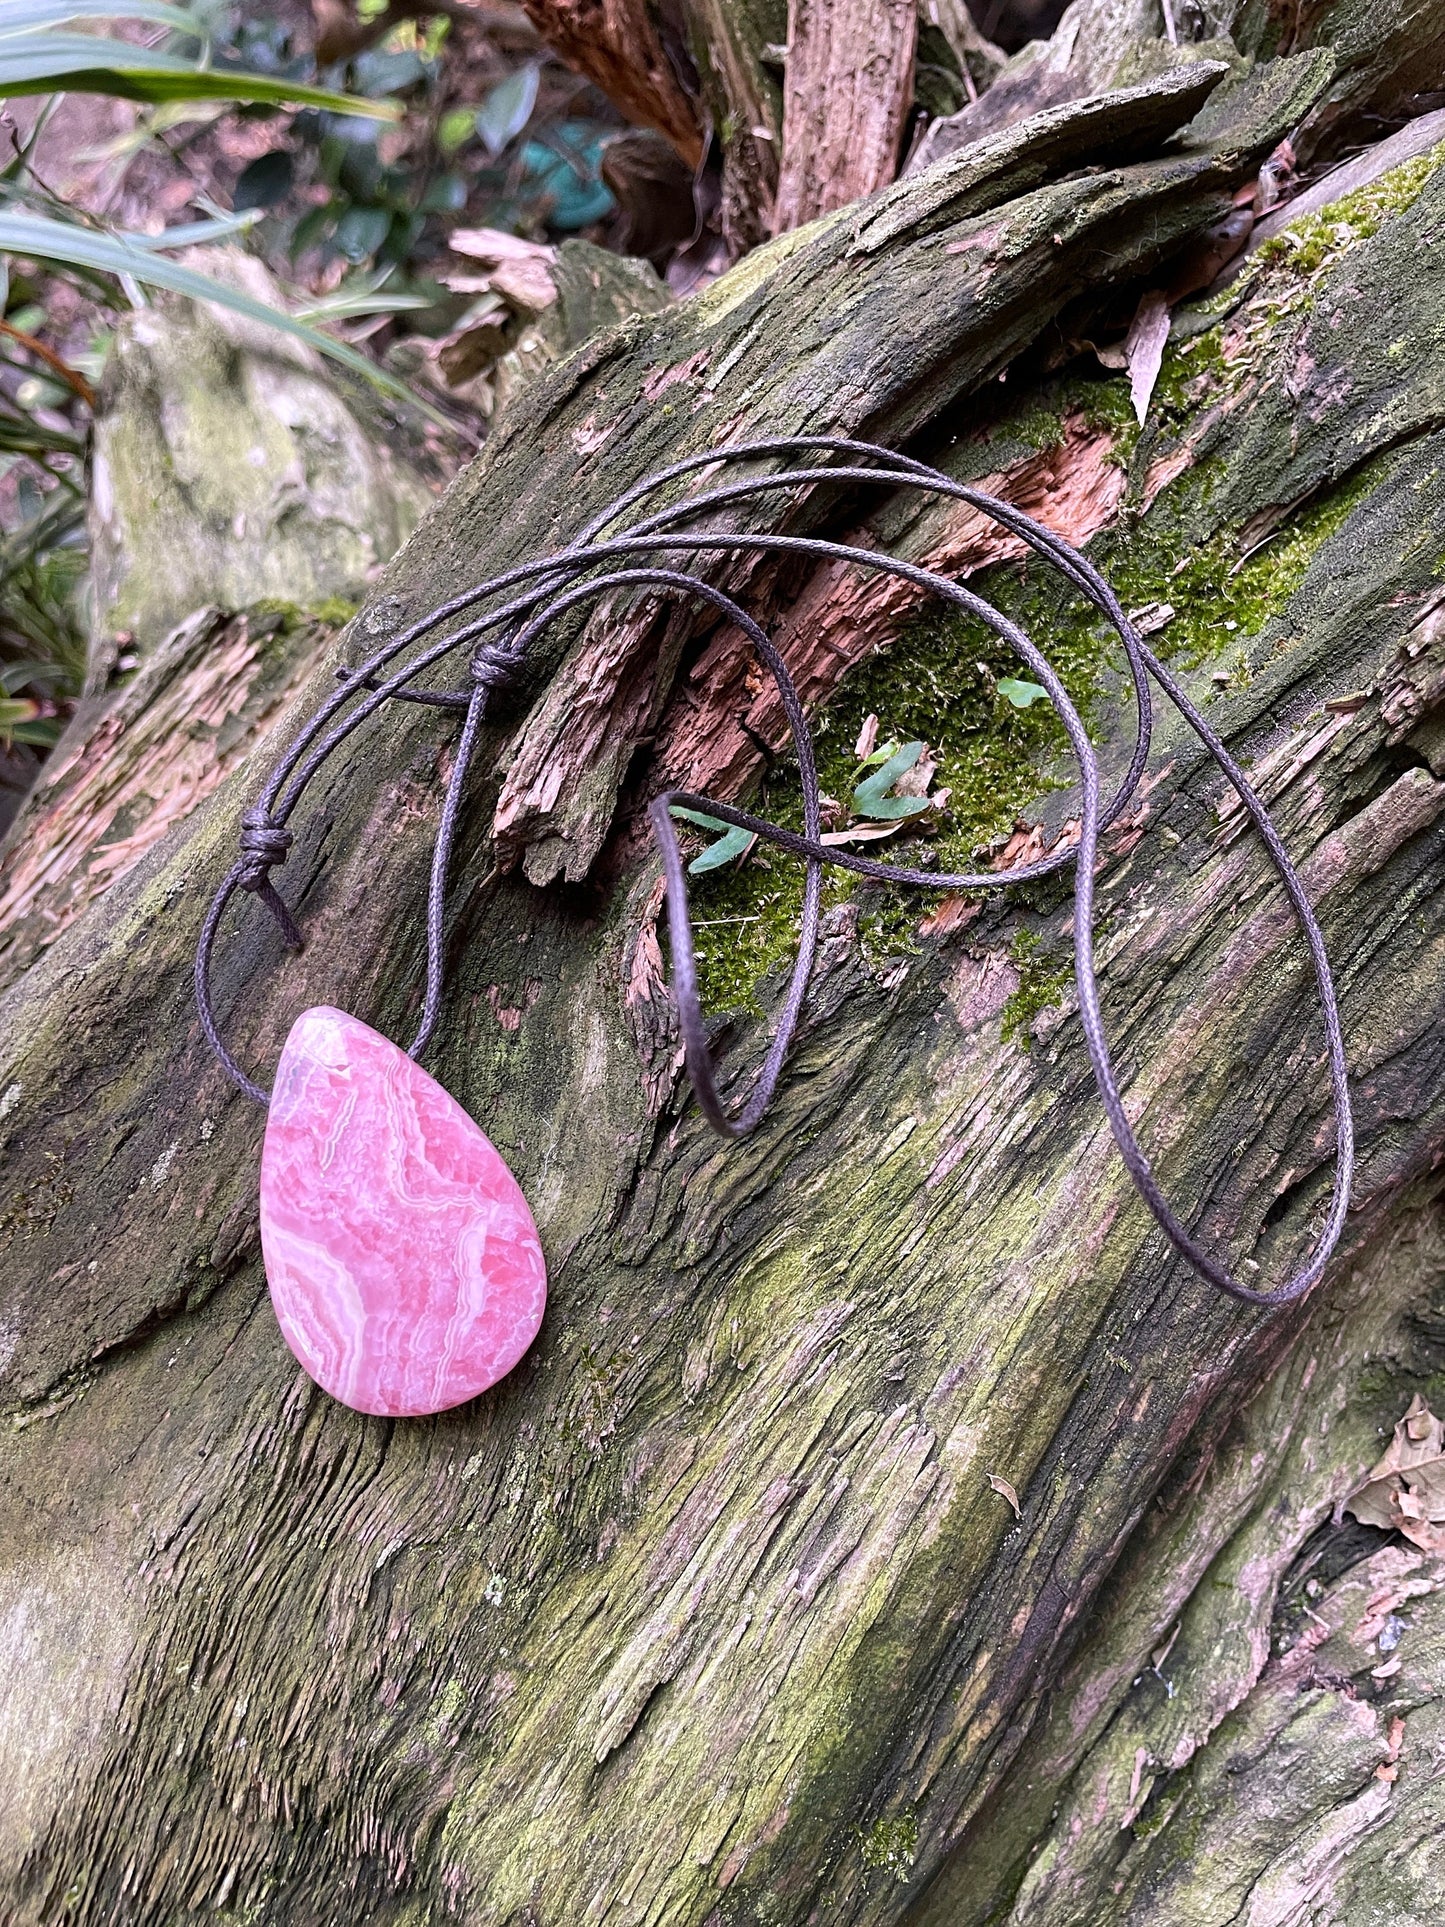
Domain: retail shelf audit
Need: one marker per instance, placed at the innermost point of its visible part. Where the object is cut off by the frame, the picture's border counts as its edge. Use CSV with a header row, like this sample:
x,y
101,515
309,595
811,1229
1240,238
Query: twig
x,y
72,377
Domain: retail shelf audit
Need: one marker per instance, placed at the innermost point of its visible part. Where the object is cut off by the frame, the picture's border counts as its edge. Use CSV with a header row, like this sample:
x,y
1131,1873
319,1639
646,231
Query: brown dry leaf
x,y
528,285
866,832
520,271
915,781
1405,1492
470,351
1003,1487
867,738
1144,348
494,244
1276,179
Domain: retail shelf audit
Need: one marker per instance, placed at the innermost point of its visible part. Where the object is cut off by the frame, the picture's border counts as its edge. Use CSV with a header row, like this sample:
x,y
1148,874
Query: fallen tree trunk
x,y
718,1610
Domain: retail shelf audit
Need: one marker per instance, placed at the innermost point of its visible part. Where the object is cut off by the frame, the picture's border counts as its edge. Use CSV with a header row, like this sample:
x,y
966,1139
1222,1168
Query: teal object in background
x,y
567,170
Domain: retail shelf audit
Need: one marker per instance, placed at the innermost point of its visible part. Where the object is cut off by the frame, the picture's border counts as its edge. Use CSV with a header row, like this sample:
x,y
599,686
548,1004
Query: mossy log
x,y
718,1610
232,466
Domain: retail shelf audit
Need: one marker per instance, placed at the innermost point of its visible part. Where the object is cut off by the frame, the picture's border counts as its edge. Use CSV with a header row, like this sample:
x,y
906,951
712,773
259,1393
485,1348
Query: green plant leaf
x,y
880,755
871,797
351,304
39,237
44,733
507,109
21,722
192,234
361,231
1020,694
455,129
47,63
888,809
565,169
24,16
264,181
734,842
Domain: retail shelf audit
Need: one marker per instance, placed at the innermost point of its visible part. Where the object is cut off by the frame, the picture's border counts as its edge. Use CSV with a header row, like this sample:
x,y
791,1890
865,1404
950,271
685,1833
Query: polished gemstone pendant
x,y
402,1258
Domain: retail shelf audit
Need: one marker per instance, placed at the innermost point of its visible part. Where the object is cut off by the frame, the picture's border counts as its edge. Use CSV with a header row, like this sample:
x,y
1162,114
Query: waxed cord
x,y
502,641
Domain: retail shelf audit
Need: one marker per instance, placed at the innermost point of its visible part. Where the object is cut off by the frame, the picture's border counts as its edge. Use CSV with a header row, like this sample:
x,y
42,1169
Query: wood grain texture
x,y
710,1614
1265,1679
978,258
618,46
141,758
848,88
733,43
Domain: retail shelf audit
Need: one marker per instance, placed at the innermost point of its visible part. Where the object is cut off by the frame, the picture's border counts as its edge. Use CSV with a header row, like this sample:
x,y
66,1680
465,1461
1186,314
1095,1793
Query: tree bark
x,y
717,1611
848,90
618,44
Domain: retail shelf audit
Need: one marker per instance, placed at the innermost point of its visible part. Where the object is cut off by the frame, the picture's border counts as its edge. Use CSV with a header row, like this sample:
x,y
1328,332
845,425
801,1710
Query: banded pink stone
x,y
403,1261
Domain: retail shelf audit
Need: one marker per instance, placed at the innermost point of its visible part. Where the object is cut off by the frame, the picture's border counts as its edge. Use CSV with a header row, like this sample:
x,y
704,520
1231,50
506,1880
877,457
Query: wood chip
x,y
1003,1487
1144,348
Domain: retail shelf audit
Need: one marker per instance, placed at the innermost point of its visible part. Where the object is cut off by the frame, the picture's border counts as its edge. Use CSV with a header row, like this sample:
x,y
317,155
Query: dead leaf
x,y
1144,348
495,245
469,351
867,832
528,285
1003,1487
1201,264
867,739
915,781
1405,1491
1161,1653
517,270
1276,179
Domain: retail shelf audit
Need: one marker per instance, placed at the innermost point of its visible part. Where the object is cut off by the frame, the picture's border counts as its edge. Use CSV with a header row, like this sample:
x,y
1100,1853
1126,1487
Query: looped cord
x,y
535,593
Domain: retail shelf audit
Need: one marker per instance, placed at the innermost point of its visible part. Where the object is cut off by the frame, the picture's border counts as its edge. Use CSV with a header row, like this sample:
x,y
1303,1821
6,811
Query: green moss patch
x,y
938,683
891,1845
1043,979
1309,244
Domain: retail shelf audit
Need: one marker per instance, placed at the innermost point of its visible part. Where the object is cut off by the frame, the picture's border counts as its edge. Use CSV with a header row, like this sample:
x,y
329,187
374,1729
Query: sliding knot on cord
x,y
264,844
496,664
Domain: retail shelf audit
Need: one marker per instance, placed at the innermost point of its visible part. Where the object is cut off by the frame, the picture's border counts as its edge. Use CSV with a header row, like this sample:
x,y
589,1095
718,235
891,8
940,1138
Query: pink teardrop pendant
x,y
402,1258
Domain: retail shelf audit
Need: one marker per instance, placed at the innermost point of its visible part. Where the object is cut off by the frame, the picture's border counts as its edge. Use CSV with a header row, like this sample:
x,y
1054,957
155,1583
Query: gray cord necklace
x,y
402,1258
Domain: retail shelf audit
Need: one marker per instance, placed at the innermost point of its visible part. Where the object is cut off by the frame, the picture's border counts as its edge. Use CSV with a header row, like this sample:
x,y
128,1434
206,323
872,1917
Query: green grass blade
x,y
47,63
36,236
24,16
192,234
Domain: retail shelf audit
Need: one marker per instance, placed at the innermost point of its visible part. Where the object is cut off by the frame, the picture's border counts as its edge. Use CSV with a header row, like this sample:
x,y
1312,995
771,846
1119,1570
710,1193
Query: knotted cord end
x,y
264,844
